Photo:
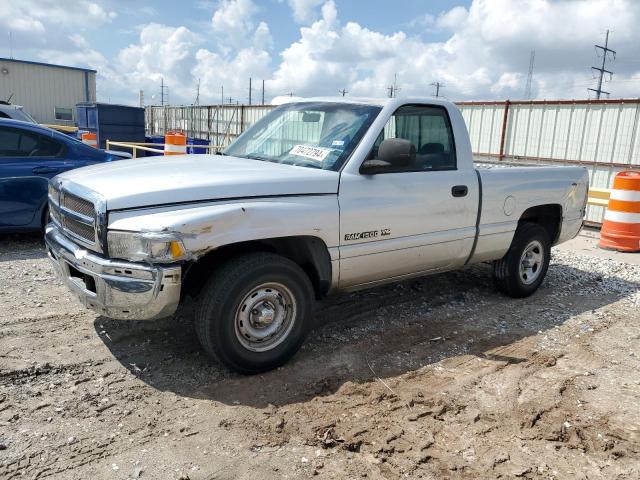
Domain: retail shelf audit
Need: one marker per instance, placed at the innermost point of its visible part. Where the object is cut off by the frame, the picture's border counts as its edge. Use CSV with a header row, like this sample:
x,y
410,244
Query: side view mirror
x,y
393,153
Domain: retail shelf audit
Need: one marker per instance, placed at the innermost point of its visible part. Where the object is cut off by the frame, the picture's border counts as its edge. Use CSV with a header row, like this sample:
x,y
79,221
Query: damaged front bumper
x,y
113,288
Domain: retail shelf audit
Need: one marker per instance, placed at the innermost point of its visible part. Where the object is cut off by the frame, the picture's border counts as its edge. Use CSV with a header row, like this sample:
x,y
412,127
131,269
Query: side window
x,y
9,142
429,130
4,115
17,143
48,147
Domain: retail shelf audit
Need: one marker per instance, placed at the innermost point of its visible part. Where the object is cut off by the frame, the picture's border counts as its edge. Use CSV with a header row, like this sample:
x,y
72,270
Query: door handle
x,y
459,190
38,170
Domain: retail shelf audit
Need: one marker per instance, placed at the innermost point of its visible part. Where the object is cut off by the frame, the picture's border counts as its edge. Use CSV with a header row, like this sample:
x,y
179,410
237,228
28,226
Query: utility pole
x,y
438,85
141,96
10,45
163,88
222,95
394,89
262,92
343,92
602,70
527,88
197,102
249,90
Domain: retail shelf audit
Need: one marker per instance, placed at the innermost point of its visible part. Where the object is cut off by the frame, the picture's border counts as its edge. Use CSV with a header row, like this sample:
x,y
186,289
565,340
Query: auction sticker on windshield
x,y
314,153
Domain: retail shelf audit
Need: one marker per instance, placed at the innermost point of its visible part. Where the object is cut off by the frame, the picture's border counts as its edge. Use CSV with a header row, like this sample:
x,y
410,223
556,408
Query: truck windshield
x,y
308,134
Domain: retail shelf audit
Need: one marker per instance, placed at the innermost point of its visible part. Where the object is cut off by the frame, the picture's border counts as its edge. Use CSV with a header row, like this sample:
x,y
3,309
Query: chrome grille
x,y
54,195
76,216
78,205
78,228
53,211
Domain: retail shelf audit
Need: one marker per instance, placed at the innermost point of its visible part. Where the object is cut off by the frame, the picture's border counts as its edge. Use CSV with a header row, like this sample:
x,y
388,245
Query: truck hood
x,y
191,178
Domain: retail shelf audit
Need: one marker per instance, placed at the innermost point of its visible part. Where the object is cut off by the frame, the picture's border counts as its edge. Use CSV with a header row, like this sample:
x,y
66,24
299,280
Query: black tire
x,y
507,276
225,296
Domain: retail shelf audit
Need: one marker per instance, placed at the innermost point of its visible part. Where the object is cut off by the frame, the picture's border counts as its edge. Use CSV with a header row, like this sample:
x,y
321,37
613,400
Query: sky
x,y
477,49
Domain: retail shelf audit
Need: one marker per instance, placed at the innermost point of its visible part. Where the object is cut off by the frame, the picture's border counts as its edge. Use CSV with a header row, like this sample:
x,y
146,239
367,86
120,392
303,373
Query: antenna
x,y
527,89
164,88
602,70
438,86
394,89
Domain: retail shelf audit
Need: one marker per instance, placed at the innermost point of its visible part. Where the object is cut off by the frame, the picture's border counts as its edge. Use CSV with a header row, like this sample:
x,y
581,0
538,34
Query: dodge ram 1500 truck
x,y
319,196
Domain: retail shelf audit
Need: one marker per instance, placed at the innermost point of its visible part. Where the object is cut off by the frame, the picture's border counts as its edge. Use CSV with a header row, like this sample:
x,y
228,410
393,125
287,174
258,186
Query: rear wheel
x,y
521,271
255,312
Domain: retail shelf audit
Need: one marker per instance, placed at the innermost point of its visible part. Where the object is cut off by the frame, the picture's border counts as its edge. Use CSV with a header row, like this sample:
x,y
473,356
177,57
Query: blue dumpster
x,y
159,139
196,141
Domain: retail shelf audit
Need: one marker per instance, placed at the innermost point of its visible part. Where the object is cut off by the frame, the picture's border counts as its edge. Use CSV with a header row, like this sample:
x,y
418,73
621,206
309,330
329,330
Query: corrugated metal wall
x,y
42,88
601,135
218,124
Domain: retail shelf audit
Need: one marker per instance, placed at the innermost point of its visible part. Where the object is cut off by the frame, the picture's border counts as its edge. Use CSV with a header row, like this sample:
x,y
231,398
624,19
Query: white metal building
x,y
48,92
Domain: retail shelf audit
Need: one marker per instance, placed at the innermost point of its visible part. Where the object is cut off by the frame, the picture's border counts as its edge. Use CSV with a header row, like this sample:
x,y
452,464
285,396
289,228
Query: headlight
x,y
148,246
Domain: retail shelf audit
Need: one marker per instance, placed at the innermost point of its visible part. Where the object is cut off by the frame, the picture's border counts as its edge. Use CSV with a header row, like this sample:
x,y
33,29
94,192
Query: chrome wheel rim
x,y
531,262
265,317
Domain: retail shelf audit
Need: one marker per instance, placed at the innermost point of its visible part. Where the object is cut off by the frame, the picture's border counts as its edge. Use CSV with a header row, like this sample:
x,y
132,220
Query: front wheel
x,y
255,312
521,271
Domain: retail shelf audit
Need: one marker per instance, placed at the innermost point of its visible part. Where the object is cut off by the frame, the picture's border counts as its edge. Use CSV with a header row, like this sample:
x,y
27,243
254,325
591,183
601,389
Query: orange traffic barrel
x,y
621,226
90,139
175,143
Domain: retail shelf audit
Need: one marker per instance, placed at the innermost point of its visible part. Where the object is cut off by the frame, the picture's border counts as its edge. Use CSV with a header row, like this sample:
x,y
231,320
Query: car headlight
x,y
147,246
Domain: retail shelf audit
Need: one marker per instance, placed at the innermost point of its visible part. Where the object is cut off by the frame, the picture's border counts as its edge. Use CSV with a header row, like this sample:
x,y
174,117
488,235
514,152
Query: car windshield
x,y
308,134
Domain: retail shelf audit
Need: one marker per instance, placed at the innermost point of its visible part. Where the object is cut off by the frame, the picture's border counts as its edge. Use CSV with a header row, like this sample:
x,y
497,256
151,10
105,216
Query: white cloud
x,y
483,54
233,20
304,11
453,18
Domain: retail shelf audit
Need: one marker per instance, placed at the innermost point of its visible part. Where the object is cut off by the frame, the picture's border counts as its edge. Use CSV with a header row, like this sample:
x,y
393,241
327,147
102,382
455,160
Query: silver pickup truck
x,y
319,196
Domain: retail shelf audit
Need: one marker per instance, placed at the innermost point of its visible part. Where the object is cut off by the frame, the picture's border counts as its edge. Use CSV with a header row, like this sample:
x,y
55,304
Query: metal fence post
x,y
503,133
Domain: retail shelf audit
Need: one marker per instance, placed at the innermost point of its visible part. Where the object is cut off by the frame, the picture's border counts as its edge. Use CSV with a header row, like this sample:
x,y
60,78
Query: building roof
x,y
29,62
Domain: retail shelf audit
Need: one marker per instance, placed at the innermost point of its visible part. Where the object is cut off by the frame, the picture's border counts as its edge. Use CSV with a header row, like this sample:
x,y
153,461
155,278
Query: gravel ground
x,y
433,378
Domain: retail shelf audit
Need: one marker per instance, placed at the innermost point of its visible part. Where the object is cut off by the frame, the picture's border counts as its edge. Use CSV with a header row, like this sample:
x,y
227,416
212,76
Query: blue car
x,y
30,155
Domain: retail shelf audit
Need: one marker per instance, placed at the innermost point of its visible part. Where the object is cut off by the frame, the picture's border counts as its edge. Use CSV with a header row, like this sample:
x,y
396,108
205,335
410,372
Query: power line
x,y
602,70
438,86
527,89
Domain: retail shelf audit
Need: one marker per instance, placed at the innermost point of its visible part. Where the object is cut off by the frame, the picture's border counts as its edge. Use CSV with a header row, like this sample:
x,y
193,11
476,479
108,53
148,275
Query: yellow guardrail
x,y
148,147
599,196
61,128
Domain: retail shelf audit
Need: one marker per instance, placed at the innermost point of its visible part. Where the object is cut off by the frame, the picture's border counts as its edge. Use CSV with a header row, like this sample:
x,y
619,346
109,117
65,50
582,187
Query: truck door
x,y
419,218
27,161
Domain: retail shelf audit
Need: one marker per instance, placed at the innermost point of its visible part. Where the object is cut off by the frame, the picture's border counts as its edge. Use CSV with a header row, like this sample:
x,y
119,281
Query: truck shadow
x,y
366,336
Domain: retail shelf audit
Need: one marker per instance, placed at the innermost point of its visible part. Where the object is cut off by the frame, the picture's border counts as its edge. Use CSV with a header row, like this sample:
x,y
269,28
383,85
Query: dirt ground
x,y
437,378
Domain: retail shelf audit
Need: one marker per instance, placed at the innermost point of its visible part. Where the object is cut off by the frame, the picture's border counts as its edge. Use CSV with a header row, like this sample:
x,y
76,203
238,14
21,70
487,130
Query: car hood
x,y
191,178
